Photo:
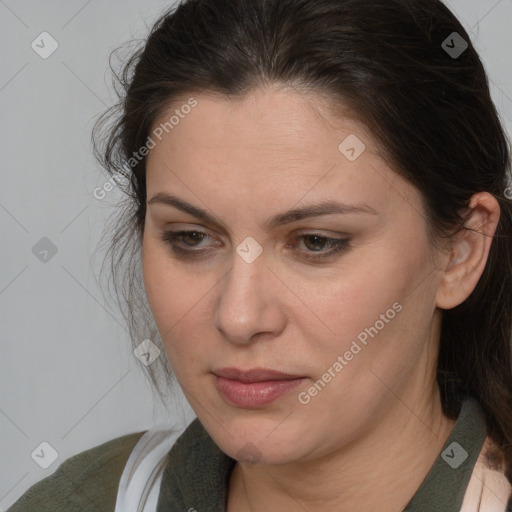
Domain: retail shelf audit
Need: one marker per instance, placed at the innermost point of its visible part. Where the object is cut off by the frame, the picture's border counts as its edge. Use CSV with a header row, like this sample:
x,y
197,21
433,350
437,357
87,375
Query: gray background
x,y
68,376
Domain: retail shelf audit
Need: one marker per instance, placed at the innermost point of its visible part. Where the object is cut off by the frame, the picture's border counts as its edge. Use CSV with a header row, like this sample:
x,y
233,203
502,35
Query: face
x,y
343,300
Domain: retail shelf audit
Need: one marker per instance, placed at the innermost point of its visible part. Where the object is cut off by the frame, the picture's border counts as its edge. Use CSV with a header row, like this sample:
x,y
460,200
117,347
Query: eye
x,y
316,243
188,238
188,244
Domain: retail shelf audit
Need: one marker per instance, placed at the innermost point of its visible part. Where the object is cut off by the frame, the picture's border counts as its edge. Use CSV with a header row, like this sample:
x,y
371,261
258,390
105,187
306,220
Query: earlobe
x,y
469,252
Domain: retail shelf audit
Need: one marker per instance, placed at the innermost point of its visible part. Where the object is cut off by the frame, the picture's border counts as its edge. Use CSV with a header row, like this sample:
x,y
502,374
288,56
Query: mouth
x,y
254,388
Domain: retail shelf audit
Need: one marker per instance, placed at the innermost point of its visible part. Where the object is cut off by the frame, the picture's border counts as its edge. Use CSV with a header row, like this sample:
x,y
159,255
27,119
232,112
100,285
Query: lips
x,y
254,375
254,388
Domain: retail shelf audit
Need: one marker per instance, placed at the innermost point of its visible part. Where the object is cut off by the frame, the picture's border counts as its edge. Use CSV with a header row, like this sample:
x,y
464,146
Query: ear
x,y
468,255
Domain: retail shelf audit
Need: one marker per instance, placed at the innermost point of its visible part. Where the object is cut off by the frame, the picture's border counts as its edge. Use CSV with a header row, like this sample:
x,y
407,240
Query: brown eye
x,y
317,243
180,240
194,236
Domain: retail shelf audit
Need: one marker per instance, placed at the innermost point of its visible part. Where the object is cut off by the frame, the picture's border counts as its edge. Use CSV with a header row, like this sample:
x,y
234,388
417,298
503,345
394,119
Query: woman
x,y
318,194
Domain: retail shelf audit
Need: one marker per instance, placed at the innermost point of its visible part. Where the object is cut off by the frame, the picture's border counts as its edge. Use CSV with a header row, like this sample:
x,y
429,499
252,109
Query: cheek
x,y
178,300
353,299
165,291
155,282
371,312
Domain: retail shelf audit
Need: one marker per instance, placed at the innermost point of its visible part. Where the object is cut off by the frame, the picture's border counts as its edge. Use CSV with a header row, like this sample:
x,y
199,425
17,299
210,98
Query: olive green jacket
x,y
468,475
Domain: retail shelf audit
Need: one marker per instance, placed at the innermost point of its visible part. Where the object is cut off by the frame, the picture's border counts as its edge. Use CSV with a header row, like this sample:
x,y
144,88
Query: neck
x,y
381,471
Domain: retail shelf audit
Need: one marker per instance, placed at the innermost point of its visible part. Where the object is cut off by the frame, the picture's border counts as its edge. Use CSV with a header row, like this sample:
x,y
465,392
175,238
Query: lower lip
x,y
254,394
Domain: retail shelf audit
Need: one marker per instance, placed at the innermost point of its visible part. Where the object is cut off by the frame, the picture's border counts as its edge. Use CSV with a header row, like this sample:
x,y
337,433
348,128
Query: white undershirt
x,y
139,486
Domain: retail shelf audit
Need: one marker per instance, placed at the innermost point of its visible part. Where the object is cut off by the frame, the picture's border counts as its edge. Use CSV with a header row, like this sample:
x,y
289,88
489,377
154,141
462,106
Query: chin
x,y
258,442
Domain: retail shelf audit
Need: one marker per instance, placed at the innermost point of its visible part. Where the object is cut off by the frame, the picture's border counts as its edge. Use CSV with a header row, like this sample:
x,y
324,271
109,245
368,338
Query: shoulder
x,y
86,481
489,488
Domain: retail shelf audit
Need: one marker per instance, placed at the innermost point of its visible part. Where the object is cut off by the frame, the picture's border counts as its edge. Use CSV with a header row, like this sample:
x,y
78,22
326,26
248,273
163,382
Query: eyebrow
x,y
296,214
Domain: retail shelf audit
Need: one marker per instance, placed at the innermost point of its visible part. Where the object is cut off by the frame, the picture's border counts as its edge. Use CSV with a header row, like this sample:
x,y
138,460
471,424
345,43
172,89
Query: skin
x,y
367,440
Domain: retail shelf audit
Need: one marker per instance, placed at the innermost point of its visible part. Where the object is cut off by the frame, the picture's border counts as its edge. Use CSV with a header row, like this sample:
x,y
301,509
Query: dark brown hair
x,y
429,110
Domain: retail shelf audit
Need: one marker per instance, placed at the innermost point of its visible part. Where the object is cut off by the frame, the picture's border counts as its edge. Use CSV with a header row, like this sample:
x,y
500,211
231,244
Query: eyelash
x,y
339,245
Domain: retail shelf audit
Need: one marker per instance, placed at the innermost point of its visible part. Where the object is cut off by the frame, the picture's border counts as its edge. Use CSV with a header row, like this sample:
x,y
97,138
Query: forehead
x,y
262,119
273,142
267,129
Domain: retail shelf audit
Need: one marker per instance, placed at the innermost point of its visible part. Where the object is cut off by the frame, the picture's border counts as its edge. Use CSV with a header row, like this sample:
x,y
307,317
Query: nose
x,y
249,303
